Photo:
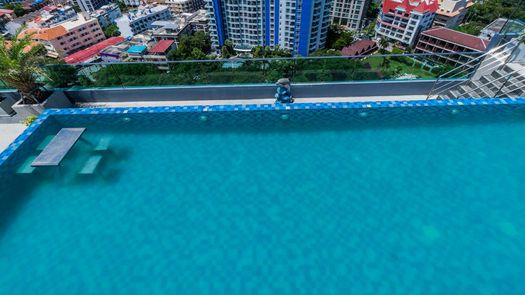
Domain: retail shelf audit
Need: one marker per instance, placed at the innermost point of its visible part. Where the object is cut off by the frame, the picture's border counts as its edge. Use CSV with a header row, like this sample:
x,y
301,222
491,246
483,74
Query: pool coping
x,y
4,156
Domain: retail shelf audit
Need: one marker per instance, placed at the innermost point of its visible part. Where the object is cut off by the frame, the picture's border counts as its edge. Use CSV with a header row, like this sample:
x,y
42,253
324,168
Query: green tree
x,y
122,6
267,52
188,44
19,67
373,10
345,39
471,28
227,50
326,52
197,54
334,32
383,44
111,31
17,8
370,30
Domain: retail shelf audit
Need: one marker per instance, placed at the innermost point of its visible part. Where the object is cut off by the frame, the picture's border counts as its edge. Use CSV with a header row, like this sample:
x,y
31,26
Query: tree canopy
x,y
111,31
19,66
196,46
489,10
267,52
227,50
17,8
338,38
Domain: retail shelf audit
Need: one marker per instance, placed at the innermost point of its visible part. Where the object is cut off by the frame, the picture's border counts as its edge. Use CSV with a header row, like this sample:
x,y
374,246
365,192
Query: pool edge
x,y
4,155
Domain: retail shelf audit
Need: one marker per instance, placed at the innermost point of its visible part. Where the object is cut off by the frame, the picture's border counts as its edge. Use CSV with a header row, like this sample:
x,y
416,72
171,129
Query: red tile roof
x,y
359,48
92,51
6,11
409,5
161,46
460,38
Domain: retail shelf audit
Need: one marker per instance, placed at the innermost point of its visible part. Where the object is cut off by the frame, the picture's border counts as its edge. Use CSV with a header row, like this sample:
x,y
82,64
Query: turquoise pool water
x,y
422,201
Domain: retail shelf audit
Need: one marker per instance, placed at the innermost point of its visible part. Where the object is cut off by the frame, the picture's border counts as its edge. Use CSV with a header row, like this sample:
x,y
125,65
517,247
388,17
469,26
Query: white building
x,y
52,15
349,13
451,13
107,14
403,20
184,6
88,6
298,25
141,19
134,2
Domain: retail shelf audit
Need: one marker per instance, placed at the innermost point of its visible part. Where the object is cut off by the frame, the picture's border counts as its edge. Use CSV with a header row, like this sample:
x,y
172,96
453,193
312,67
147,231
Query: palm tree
x,y
19,67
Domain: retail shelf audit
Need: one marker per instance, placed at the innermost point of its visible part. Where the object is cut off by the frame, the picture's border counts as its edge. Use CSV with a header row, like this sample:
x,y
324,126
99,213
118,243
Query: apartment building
x,y
445,40
451,13
349,13
107,14
298,25
68,37
139,20
402,20
52,15
88,6
184,6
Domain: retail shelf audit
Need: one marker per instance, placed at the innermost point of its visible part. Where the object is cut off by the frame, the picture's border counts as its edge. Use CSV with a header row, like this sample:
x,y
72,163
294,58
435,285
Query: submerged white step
x,y
91,165
103,144
26,167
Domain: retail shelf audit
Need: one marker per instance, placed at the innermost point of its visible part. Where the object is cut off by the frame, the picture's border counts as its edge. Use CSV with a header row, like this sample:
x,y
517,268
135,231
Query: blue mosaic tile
x,y
248,107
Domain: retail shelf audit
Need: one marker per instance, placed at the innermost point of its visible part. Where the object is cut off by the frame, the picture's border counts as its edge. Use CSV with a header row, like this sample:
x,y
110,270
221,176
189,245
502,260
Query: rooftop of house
x,y
359,47
80,20
409,5
6,12
137,49
162,46
459,38
92,51
45,34
104,9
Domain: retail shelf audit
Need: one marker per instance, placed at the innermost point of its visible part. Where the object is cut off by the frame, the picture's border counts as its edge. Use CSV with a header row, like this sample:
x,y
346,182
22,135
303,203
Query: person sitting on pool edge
x,y
283,93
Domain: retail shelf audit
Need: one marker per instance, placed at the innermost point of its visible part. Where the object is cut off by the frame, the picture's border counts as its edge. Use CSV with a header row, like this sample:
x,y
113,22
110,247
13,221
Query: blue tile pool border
x,y
249,107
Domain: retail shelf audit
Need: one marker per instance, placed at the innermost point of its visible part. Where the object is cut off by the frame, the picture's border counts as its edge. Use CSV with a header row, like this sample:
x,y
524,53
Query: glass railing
x,y
255,71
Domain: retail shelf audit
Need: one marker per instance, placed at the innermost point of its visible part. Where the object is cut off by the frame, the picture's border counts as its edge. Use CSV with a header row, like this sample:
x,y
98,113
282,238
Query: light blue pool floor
x,y
420,210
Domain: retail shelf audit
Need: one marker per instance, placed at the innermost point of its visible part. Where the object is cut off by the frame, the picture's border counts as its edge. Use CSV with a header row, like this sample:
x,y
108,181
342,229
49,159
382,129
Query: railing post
x,y
117,75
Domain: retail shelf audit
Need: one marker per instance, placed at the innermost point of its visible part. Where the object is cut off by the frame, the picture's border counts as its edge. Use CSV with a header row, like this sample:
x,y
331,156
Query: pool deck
x,y
247,101
8,133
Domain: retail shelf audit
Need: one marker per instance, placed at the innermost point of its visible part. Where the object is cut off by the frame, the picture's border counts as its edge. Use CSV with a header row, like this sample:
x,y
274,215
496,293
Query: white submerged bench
x,y
58,147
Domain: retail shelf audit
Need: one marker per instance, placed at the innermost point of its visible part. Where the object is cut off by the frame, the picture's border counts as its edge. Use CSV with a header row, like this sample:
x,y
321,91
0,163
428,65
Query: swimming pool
x,y
364,198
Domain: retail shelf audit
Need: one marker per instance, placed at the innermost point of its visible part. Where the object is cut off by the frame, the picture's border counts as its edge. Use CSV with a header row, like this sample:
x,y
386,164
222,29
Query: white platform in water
x,y
58,147
44,143
91,165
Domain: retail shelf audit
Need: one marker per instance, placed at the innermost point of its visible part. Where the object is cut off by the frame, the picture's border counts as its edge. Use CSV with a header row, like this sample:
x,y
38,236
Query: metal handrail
x,y
502,77
260,59
476,59
440,88
467,66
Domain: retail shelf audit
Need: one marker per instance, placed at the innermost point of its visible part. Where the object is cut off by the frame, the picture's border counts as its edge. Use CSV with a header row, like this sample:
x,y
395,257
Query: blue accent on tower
x,y
306,23
276,22
218,20
267,23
